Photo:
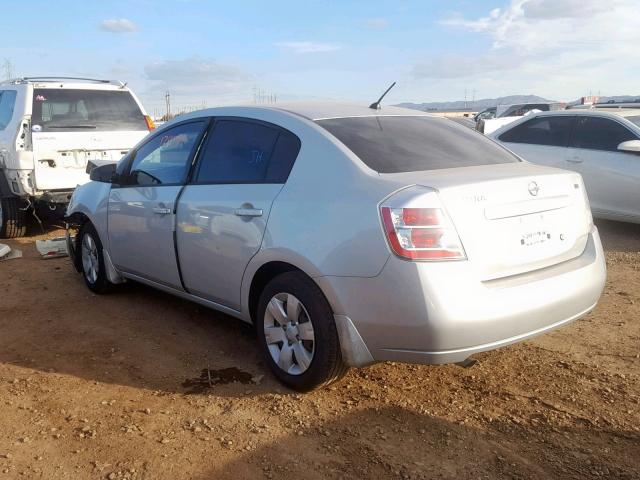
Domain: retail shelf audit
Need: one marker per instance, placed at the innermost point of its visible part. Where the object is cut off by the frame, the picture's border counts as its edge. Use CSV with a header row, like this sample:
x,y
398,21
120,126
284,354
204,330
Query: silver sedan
x,y
346,235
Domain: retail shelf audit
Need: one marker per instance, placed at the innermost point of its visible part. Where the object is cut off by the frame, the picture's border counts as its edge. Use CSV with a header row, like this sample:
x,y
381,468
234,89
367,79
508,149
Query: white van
x,y
50,127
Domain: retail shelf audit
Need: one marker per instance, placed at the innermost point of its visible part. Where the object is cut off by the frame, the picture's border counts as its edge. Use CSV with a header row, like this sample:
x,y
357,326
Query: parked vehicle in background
x,y
485,114
347,235
50,127
603,145
506,114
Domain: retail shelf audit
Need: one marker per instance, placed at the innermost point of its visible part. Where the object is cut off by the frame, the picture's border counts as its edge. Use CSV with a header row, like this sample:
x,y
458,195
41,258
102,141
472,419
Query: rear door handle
x,y
161,210
249,212
574,160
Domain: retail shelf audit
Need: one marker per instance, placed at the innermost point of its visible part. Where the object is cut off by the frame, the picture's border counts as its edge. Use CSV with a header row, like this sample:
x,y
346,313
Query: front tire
x,y
297,333
13,217
92,260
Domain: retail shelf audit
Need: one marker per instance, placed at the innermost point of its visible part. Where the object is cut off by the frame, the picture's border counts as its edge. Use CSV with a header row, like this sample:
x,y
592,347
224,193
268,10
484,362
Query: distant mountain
x,y
509,100
477,105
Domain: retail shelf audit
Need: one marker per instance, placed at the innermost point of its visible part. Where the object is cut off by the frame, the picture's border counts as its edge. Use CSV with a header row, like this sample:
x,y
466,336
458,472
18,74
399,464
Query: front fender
x,y
91,200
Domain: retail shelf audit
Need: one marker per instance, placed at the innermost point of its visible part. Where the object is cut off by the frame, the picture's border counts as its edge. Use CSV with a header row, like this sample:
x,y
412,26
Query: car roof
x,y
67,82
316,110
327,110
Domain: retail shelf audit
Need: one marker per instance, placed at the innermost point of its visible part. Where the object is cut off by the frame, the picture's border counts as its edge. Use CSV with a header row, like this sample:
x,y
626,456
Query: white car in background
x,y
50,127
506,114
603,145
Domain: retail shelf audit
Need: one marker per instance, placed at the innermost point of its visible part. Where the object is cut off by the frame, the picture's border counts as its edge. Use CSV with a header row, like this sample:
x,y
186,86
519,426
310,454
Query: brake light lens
x,y
421,234
150,123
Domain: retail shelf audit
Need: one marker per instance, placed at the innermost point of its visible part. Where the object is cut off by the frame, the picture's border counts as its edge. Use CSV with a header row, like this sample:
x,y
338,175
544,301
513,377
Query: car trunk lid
x,y
512,218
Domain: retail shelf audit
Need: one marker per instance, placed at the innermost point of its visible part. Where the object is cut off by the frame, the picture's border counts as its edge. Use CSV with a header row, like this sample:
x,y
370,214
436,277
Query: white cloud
x,y
118,25
378,23
197,77
308,47
562,47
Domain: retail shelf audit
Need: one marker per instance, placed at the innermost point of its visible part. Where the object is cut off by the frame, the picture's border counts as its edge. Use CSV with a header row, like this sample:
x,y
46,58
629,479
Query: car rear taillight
x,y
421,233
149,121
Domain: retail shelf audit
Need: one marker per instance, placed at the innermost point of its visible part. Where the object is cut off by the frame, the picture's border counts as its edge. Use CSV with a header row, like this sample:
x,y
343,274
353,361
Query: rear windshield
x,y
411,144
67,110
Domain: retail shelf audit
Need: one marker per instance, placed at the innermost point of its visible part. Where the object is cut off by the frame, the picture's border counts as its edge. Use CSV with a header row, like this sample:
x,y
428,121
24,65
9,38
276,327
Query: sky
x,y
208,52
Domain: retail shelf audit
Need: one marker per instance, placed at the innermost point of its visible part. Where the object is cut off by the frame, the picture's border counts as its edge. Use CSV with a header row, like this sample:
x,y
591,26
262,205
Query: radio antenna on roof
x,y
376,105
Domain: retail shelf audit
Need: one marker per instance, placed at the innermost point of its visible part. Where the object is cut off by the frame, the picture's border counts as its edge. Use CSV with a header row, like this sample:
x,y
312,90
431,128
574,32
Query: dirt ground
x,y
116,387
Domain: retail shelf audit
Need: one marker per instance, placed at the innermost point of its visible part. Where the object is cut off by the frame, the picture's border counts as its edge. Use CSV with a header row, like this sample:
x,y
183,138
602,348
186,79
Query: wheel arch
x,y
268,264
76,221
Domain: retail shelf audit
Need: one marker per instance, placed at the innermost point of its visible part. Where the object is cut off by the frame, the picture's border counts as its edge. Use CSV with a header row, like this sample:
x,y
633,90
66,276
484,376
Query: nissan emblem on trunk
x,y
533,188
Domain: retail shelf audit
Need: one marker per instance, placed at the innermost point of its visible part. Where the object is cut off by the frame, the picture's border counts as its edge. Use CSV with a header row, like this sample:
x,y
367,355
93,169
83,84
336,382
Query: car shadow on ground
x,y
135,336
395,442
619,236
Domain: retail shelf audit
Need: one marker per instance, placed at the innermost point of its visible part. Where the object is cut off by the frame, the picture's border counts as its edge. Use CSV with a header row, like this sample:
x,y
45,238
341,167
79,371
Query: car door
x,y
612,177
542,140
142,205
222,214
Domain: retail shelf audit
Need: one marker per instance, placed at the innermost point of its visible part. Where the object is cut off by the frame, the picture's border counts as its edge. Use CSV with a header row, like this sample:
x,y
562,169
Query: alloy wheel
x,y
90,262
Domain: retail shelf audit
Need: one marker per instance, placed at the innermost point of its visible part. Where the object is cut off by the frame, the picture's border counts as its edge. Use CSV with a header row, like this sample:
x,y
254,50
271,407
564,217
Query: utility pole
x,y
167,101
465,98
7,69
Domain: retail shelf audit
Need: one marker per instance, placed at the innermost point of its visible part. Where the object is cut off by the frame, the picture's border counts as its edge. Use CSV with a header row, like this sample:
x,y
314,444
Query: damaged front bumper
x,y
71,232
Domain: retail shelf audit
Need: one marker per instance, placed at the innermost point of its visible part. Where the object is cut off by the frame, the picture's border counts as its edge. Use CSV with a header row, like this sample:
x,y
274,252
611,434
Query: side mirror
x,y
631,146
103,173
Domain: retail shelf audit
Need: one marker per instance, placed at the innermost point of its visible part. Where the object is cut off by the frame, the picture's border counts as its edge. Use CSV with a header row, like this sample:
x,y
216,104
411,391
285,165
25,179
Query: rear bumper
x,y
440,313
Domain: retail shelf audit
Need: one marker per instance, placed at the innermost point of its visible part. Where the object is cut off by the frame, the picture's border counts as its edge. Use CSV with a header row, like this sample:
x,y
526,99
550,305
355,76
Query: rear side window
x,y
247,152
597,133
7,104
72,110
165,158
410,144
553,131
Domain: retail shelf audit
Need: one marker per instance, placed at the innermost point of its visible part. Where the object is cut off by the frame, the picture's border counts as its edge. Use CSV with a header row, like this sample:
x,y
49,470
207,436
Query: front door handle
x,y
161,210
249,212
574,160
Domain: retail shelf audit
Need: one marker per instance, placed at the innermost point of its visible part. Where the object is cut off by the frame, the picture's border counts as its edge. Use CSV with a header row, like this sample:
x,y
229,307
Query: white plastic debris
x,y
7,253
53,248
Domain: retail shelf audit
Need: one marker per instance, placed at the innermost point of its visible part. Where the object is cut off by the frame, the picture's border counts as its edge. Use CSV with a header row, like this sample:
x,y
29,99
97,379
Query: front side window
x,y
7,104
240,151
598,133
165,158
72,110
552,131
394,144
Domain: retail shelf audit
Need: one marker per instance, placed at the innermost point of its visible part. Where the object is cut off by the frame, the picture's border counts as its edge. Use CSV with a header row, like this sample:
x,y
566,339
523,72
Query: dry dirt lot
x,y
111,387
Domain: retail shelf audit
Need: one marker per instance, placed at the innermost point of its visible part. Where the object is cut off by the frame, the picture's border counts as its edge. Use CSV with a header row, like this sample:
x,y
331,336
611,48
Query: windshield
x,y
414,143
67,110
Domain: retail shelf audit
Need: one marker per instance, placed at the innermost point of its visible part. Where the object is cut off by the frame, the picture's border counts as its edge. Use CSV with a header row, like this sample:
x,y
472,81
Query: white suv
x,y
50,127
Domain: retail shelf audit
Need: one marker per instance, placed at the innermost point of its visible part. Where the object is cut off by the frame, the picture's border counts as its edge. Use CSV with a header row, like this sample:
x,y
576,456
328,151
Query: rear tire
x,y
297,333
13,217
92,260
